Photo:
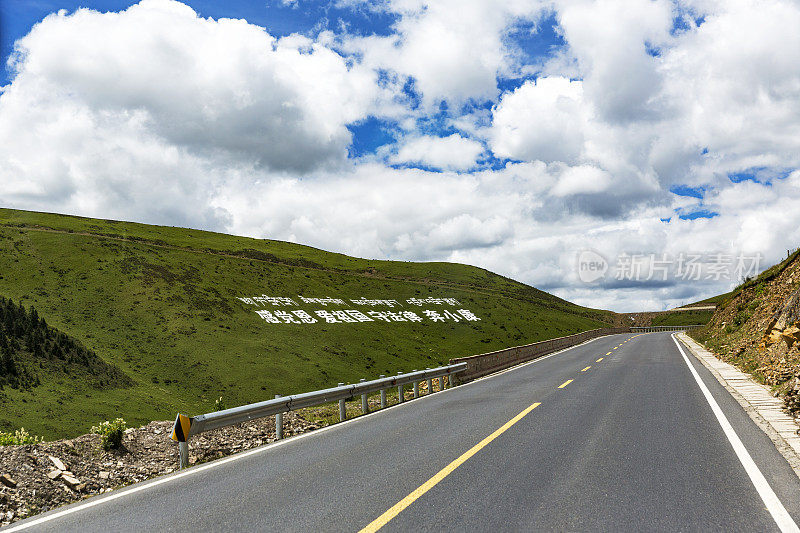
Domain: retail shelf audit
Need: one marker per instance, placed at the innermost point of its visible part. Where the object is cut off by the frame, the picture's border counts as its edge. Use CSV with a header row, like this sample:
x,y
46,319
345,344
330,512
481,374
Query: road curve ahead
x,y
623,433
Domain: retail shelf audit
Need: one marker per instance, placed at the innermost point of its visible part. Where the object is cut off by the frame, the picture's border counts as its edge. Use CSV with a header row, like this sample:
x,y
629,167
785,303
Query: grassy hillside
x,y
714,300
162,305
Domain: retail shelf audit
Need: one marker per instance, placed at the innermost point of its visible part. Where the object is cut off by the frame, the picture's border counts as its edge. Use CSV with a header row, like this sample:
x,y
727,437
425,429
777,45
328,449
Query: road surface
x,y
613,435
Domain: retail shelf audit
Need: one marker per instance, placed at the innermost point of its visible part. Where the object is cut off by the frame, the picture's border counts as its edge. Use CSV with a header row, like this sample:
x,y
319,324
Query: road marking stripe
x,y
565,384
397,508
599,360
782,518
609,353
587,368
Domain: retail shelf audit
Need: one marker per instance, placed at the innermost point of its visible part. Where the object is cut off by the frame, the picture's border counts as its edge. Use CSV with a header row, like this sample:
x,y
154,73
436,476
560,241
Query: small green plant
x,y
219,405
110,433
18,437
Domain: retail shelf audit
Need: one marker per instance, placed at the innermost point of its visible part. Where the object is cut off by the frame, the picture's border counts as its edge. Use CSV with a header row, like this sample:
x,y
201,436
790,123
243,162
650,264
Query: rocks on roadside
x,y
57,462
146,452
71,482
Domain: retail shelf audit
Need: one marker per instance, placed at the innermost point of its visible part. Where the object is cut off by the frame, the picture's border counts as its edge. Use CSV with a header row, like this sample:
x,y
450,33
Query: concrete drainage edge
x,y
787,445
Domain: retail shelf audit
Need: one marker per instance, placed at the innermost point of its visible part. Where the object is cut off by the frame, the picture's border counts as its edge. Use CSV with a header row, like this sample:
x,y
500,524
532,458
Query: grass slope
x,y
714,300
683,318
160,304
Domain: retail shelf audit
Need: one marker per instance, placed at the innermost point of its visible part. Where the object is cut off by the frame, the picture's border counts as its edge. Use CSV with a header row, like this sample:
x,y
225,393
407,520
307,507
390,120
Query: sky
x,y
622,154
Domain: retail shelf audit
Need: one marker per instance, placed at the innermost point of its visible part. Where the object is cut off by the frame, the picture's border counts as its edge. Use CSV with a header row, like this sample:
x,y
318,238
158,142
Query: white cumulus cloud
x,y
453,152
583,179
542,120
453,50
146,110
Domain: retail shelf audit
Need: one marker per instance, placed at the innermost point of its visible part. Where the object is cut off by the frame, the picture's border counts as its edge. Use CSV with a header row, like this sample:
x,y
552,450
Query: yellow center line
x,y
615,347
397,508
565,384
587,368
599,360
609,353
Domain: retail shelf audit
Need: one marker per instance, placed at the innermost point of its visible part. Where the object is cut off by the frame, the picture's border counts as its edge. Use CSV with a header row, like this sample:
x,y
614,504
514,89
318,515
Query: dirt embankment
x,y
757,329
38,477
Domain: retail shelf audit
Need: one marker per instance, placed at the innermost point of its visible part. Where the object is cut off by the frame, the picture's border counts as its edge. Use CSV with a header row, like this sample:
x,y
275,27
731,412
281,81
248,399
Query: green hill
x,y
173,310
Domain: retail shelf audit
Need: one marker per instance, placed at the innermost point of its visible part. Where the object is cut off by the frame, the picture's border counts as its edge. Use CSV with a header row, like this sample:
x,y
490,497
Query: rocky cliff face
x,y
758,329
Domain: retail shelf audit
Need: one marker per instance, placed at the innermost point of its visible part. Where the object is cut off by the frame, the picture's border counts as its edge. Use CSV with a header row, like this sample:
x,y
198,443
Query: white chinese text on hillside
x,y
283,310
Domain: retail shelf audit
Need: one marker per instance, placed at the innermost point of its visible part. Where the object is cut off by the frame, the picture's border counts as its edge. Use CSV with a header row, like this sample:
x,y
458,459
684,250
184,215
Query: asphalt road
x,y
629,444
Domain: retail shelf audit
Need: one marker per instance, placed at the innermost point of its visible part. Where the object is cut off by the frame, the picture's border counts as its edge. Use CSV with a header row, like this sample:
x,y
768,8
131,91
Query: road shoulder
x,y
756,400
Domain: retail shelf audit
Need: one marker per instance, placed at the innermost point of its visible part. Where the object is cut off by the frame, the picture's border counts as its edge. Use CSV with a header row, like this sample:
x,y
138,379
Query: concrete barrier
x,y
486,363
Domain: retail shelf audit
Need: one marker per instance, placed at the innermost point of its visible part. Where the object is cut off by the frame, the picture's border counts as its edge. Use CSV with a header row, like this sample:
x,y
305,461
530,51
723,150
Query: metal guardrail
x,y
186,427
488,363
652,329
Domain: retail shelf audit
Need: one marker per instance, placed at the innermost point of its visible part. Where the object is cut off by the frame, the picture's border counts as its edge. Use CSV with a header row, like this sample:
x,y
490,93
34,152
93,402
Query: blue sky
x,y
512,136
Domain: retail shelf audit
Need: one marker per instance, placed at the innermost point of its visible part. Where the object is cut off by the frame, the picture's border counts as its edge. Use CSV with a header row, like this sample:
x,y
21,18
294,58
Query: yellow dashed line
x,y
565,384
599,360
585,369
609,353
397,508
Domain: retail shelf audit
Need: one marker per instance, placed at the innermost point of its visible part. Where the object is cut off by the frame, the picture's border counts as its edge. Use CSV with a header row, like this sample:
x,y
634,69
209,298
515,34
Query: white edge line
x,y
782,518
97,500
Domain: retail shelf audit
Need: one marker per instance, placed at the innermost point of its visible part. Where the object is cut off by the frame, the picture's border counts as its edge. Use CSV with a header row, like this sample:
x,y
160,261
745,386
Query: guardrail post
x,y
430,383
278,423
383,395
416,387
364,404
342,407
441,383
399,391
452,379
183,449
